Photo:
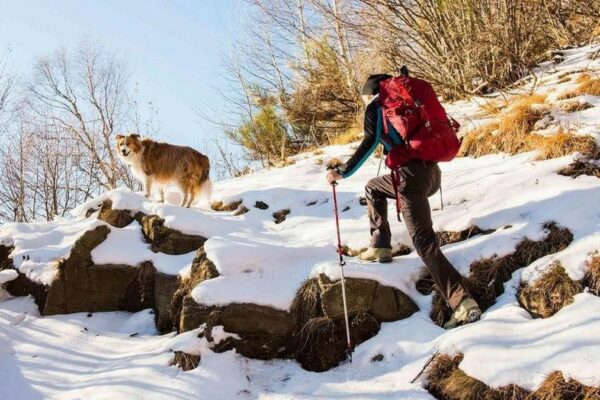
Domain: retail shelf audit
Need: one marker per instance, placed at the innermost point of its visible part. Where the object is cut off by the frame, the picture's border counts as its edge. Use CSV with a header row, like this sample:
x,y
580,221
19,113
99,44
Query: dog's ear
x,y
135,136
119,137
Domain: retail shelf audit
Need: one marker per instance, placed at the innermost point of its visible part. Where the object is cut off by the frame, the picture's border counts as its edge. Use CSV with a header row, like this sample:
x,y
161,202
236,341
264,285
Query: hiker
x,y
416,180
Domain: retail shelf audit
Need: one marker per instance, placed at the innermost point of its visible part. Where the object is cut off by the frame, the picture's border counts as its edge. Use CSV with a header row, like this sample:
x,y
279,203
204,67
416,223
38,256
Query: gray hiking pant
x,y
418,181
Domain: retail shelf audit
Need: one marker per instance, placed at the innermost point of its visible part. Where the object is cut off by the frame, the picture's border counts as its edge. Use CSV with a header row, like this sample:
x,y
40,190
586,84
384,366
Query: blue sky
x,y
171,48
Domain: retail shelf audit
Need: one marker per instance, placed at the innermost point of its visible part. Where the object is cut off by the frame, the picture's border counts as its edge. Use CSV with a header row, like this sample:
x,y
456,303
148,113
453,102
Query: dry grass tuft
x,y
449,237
221,206
587,85
556,387
350,252
585,165
575,106
446,381
523,113
550,293
564,143
487,276
590,86
307,302
512,133
281,215
351,136
186,362
320,344
493,107
592,275
564,79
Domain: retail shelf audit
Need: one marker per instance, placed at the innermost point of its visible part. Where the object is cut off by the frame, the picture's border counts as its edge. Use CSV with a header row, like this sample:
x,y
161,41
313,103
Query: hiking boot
x,y
467,311
382,255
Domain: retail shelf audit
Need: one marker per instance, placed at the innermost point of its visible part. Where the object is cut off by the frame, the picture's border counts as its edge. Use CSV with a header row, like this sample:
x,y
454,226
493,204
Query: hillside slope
x,y
515,201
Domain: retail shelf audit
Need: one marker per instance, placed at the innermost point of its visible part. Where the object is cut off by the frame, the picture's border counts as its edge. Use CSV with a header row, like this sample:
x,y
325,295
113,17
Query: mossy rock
x,y
116,218
364,295
265,333
81,286
166,240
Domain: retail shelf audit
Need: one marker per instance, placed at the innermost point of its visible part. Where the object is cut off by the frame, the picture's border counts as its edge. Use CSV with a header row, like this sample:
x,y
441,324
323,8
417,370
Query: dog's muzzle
x,y
124,152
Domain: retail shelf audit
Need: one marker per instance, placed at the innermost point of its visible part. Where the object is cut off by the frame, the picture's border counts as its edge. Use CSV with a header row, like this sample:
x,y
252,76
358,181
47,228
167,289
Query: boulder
x,y
116,218
21,286
202,269
385,303
391,304
166,240
81,286
359,292
265,333
164,289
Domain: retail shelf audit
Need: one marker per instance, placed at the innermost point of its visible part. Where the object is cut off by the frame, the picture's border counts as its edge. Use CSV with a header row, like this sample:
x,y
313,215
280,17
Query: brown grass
x,y
556,387
586,85
550,293
493,107
590,86
488,275
350,252
307,302
511,133
575,106
186,362
221,206
446,381
585,165
564,143
349,137
449,237
592,275
281,215
242,209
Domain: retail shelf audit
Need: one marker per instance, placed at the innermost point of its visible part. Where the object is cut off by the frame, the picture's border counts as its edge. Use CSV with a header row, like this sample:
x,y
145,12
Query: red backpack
x,y
411,106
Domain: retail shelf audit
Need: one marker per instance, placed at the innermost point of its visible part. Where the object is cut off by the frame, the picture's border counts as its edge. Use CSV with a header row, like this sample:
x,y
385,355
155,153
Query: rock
x,y
281,215
242,209
164,289
261,205
116,218
265,333
390,304
81,286
167,240
385,303
359,294
202,269
21,286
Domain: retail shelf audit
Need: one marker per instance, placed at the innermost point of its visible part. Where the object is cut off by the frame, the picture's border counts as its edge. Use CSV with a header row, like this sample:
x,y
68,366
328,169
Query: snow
x,y
38,247
8,275
126,246
119,355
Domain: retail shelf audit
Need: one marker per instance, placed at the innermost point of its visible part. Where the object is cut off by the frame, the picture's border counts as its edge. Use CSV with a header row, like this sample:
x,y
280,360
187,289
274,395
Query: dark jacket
x,y
372,128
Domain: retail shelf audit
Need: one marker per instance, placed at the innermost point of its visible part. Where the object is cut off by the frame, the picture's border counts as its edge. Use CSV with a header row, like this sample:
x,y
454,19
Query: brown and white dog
x,y
162,163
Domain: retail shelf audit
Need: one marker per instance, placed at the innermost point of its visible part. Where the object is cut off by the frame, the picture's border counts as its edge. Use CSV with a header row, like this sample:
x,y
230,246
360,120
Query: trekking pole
x,y
341,264
380,161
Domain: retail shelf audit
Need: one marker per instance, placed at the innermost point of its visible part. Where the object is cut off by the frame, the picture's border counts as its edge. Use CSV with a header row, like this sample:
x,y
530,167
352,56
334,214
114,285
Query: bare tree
x,y
85,94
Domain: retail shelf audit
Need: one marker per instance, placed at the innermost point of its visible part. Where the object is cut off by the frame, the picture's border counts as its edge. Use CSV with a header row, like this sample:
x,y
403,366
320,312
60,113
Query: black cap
x,y
371,86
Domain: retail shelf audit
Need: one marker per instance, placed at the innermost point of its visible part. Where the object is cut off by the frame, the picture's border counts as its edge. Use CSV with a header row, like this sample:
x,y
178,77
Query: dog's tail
x,y
206,188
